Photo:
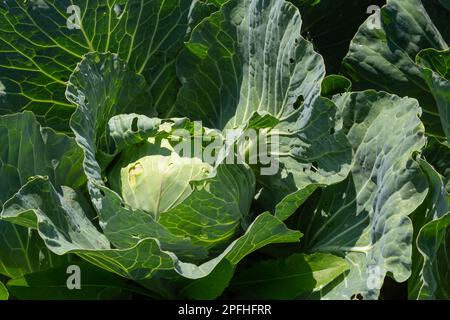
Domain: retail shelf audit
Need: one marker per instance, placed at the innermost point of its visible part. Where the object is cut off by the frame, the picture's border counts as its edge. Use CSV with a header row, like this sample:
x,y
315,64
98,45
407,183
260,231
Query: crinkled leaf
x,y
365,218
59,218
294,277
130,129
62,223
311,153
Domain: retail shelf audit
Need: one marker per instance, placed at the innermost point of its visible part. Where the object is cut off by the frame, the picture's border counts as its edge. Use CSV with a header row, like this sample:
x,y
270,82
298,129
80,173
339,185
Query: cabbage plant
x,y
166,142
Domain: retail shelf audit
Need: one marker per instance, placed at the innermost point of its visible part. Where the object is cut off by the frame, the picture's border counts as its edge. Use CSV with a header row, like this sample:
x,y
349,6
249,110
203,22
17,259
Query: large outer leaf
x,y
385,58
248,57
431,275
38,51
28,150
294,277
365,219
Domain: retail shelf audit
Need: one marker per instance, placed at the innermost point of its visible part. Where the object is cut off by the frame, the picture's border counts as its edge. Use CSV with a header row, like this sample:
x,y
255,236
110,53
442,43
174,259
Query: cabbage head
x,y
208,203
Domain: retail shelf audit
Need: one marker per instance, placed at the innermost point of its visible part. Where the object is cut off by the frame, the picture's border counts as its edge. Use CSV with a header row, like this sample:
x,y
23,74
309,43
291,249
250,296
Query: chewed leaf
x,y
265,64
310,152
